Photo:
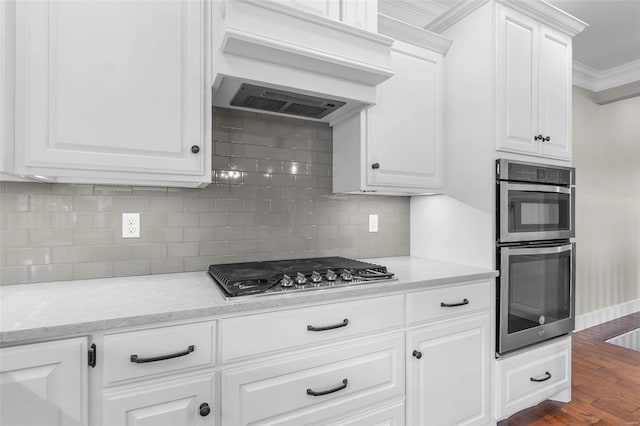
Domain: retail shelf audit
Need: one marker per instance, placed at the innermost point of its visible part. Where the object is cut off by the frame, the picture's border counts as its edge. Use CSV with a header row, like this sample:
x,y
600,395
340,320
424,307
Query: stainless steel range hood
x,y
274,58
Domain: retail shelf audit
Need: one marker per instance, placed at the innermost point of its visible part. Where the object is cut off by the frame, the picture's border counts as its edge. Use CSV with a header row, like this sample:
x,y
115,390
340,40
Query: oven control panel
x,y
535,173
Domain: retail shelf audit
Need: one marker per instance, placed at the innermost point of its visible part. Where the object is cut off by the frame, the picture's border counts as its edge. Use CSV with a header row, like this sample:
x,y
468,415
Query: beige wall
x,y
606,155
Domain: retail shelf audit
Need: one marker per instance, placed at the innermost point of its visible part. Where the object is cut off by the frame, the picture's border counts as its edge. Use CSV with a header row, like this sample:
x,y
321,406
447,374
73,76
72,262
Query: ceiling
x,y
606,54
612,38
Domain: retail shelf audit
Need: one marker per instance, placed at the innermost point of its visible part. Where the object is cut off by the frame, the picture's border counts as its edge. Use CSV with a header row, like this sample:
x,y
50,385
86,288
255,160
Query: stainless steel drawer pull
x,y
138,360
451,305
546,377
336,389
344,323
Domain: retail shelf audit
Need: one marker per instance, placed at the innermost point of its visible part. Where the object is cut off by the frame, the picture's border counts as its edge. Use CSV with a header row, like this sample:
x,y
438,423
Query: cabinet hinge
x,y
93,354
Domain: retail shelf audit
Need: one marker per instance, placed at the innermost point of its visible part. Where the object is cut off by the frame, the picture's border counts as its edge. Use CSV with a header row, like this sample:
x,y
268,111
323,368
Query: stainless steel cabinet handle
x,y
344,323
546,377
138,360
336,389
451,305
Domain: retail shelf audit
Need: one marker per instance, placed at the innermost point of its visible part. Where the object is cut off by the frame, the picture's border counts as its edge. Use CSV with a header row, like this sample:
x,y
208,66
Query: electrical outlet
x,y
130,225
373,223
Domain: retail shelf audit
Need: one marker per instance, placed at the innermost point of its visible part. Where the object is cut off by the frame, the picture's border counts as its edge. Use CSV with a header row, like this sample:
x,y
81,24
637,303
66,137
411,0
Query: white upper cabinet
x,y
534,87
395,147
113,91
357,13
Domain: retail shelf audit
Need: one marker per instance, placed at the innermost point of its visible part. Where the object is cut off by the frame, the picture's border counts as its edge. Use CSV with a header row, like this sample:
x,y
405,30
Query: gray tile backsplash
x,y
271,199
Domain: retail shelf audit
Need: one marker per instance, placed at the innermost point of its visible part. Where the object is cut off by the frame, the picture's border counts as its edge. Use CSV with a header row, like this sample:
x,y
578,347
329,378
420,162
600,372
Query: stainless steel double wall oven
x,y
536,259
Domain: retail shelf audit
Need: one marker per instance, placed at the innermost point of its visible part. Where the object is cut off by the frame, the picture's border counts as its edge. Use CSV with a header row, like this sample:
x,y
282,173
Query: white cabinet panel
x,y
171,349
44,384
107,87
179,402
448,373
555,93
534,87
305,387
396,146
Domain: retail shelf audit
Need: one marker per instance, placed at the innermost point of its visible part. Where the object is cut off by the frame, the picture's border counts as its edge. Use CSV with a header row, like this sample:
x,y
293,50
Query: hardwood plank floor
x,y
605,386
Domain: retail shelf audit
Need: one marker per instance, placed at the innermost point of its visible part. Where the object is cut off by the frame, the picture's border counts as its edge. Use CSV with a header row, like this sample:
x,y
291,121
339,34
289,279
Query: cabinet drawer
x,y
308,387
444,302
158,350
254,334
533,376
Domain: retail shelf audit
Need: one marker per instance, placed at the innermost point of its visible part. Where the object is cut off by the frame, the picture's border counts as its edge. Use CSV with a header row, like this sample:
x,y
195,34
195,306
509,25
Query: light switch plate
x,y
130,225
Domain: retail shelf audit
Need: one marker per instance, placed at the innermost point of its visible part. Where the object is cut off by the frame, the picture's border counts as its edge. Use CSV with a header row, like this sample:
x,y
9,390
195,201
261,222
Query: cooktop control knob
x,y
330,276
300,279
286,281
346,275
316,277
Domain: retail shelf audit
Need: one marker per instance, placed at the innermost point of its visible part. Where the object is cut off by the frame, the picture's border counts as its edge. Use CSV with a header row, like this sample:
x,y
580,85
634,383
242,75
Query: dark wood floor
x,y
606,382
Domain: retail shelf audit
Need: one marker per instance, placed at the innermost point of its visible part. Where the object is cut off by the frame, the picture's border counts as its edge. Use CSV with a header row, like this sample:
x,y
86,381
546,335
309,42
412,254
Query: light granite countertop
x,y
51,310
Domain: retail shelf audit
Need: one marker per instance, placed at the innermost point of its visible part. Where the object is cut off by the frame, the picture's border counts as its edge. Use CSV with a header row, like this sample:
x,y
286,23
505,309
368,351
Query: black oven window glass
x,y
531,211
539,290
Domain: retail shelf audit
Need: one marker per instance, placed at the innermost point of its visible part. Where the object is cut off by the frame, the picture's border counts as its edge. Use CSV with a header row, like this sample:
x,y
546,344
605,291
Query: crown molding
x,y
597,81
549,15
403,31
453,15
418,14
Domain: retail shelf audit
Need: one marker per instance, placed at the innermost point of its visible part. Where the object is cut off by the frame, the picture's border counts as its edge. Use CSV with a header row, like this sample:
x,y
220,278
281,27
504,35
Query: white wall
x,y
606,155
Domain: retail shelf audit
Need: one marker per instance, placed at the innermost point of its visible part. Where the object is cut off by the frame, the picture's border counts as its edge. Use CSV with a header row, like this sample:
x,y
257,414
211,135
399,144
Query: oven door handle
x,y
528,250
525,187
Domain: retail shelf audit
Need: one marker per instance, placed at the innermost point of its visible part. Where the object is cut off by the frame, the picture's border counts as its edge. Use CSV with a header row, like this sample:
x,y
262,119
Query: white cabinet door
x,y
448,374
534,87
113,90
517,82
555,93
180,402
404,127
44,384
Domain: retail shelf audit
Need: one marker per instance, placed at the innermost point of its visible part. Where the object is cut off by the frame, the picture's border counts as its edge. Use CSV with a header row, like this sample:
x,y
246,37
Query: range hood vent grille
x,y
274,100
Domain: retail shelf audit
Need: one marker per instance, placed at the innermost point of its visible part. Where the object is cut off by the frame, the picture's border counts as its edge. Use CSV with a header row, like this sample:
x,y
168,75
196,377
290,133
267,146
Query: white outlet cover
x,y
373,223
130,225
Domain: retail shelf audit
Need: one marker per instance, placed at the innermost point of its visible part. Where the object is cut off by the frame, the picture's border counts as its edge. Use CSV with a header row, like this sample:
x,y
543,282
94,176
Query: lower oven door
x,y
536,294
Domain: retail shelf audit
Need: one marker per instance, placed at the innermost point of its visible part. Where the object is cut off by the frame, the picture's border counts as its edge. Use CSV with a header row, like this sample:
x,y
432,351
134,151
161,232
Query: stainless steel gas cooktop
x,y
278,276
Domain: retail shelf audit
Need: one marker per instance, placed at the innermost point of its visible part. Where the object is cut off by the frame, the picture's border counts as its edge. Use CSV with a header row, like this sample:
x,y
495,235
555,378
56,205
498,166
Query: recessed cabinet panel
x,y
179,402
518,91
555,93
447,373
534,87
111,86
403,127
44,384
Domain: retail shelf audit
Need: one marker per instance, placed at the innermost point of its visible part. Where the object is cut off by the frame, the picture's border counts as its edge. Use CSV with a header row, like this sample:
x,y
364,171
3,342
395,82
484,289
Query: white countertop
x,y
51,310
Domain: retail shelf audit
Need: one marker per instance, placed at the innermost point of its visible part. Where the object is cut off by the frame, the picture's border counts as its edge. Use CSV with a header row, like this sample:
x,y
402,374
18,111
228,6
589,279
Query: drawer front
x,y
312,386
250,335
387,415
534,376
439,303
144,353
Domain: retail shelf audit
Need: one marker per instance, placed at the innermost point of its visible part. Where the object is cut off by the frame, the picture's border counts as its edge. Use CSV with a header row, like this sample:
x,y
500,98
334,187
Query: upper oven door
x,y
530,212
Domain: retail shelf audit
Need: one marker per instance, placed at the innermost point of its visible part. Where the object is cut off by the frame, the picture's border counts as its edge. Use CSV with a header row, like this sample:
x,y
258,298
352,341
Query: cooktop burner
x,y
271,277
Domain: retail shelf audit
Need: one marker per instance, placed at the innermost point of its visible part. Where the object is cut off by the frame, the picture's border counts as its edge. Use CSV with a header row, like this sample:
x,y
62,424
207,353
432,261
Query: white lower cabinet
x,y
184,402
527,378
312,386
448,373
44,384
160,376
